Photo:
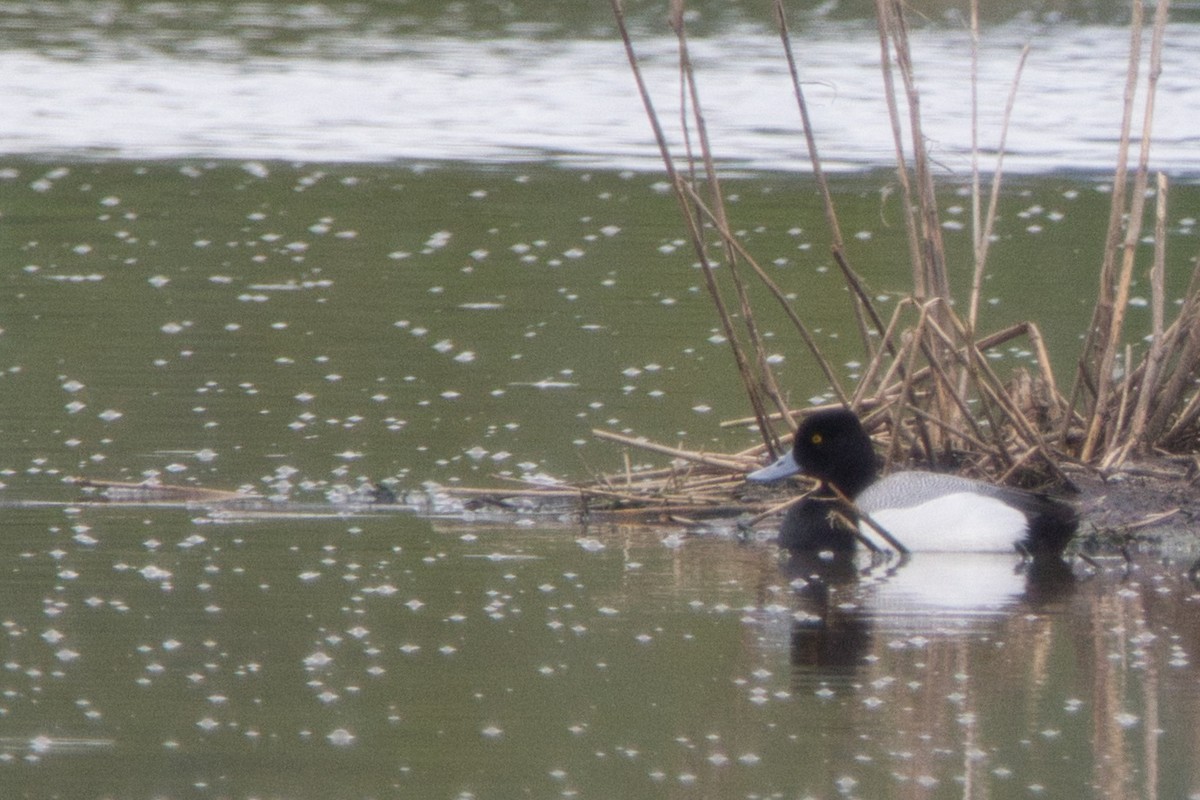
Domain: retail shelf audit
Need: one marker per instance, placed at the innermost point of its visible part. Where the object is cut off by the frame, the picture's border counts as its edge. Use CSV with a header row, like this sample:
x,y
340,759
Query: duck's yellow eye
x,y
815,438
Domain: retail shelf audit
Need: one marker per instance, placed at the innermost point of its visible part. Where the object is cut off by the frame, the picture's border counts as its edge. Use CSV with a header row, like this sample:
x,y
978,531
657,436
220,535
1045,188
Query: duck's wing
x,y
916,487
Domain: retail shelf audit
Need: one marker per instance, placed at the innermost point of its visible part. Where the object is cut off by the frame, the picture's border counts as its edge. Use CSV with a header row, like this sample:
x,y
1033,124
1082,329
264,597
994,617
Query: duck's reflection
x,y
845,600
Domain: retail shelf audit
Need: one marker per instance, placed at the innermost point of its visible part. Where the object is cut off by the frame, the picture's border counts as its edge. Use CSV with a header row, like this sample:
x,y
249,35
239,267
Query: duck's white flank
x,y
965,522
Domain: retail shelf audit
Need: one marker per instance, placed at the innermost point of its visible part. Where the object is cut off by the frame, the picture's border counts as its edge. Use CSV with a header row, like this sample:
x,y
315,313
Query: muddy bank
x,y
1153,504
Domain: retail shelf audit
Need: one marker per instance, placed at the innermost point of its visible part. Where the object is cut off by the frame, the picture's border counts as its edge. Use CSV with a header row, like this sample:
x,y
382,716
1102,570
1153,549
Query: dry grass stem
x,y
983,237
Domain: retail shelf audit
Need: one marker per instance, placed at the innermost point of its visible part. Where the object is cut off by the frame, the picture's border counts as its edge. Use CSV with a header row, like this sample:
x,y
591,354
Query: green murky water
x,y
301,330
153,654
234,323
229,295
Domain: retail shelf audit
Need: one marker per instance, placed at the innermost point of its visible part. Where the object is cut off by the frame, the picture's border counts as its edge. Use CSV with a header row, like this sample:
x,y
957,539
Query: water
x,y
269,325
172,81
450,266
379,656
302,331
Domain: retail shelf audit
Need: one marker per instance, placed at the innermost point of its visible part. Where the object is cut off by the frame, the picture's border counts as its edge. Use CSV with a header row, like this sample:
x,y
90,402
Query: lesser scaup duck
x,y
925,511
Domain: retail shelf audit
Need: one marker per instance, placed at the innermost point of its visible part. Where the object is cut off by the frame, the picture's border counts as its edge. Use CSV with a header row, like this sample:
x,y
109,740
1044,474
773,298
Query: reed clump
x,y
928,391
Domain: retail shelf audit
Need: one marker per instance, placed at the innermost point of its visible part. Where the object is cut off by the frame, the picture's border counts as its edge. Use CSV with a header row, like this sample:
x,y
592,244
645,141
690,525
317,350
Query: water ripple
x,y
512,100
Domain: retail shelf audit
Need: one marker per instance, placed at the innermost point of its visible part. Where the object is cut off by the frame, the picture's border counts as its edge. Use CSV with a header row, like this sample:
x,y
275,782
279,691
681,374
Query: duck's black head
x,y
832,447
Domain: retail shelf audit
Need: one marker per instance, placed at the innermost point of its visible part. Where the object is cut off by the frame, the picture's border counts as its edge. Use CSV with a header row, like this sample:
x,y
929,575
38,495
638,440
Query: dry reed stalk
x,y
758,450
931,254
778,508
976,191
765,375
986,382
809,341
1188,418
977,378
883,14
859,290
983,236
660,137
1029,432
1104,333
863,302
1027,329
945,382
750,383
1148,383
633,498
1094,343
1101,430
1183,370
896,376
1117,421
720,462
1018,463
645,512
1034,334
867,380
927,251
892,541
846,503
907,357
967,437
721,481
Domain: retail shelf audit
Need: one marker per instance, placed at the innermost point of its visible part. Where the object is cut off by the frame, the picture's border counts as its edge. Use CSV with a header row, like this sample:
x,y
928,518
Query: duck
x,y
923,511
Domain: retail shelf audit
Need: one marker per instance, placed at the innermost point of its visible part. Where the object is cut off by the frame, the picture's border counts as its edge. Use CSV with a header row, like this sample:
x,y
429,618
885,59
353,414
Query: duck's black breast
x,y
818,523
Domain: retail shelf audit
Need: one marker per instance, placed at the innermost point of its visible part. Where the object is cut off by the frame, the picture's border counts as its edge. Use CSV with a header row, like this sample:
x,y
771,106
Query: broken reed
x,y
928,384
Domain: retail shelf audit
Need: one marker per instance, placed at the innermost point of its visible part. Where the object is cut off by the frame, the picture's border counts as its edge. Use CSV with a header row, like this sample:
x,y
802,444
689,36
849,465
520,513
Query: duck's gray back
x,y
914,487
